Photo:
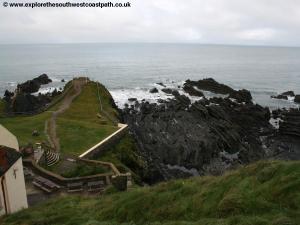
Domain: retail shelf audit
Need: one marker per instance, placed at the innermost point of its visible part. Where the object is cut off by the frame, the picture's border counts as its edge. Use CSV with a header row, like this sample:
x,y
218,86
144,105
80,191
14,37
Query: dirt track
x,y
64,105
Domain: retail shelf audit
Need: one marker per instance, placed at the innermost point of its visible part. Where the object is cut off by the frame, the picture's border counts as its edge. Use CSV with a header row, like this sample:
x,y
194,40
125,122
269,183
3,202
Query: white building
x,y
12,184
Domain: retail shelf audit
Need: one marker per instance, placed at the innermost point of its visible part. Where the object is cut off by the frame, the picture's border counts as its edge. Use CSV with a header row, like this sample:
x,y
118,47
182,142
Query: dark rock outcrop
x,y
161,84
167,90
288,93
297,99
34,85
205,137
284,144
132,99
211,85
22,101
241,96
284,97
153,90
188,88
291,122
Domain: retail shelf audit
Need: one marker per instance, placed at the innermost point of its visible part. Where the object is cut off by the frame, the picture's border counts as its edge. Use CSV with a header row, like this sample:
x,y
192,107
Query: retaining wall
x,y
58,179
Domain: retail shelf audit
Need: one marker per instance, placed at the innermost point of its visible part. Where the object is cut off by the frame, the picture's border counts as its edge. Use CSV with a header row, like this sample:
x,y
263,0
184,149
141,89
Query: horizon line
x,y
179,43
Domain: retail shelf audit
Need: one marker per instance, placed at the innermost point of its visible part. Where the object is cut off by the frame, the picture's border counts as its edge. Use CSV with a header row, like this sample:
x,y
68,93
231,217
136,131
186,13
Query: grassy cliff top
x,y
81,126
265,193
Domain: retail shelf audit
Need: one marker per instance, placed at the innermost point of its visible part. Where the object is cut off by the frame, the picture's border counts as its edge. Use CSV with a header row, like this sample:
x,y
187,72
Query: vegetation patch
x,y
237,198
83,169
124,156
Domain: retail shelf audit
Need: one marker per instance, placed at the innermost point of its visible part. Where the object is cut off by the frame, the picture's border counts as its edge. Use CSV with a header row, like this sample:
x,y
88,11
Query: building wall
x,y
2,207
8,139
15,188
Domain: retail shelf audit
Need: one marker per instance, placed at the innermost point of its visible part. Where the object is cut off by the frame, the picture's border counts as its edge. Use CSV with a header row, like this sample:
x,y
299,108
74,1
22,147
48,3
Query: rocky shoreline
x,y
180,138
23,100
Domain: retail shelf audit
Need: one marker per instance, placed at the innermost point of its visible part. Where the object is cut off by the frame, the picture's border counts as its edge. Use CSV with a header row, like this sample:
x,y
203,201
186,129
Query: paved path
x,y
64,105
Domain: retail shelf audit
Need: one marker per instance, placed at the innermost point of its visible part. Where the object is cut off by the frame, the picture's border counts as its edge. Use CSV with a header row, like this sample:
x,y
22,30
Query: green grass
x,y
78,128
23,126
76,169
124,156
265,193
82,170
77,136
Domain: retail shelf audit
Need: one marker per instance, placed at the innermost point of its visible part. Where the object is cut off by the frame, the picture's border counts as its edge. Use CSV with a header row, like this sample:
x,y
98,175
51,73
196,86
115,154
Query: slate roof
x,y
8,157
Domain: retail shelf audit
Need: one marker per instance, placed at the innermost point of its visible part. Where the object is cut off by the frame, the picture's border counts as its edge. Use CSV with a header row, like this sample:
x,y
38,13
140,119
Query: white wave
x,y
121,96
56,79
46,90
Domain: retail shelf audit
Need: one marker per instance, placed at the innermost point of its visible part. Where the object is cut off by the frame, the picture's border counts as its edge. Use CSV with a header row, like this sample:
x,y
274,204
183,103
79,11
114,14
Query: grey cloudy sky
x,y
255,22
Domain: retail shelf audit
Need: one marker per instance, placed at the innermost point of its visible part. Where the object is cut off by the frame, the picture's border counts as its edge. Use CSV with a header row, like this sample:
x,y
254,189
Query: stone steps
x,y
51,158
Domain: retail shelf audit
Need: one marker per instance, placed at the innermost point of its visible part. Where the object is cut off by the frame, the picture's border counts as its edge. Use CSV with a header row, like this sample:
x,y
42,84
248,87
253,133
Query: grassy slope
x,y
22,127
78,128
266,193
124,156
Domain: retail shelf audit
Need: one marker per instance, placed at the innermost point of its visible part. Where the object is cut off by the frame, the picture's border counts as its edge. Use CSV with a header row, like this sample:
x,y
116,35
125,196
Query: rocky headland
x,y
181,138
23,100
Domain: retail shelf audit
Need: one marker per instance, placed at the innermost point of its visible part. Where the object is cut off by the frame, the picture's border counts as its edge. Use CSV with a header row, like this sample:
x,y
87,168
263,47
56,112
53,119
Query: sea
x,y
129,70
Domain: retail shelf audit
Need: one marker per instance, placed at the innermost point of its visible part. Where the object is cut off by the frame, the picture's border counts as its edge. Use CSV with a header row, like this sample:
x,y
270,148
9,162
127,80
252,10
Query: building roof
x,y
8,139
8,157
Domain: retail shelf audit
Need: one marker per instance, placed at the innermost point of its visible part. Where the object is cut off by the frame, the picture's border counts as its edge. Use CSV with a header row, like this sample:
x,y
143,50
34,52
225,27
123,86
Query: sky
x,y
241,22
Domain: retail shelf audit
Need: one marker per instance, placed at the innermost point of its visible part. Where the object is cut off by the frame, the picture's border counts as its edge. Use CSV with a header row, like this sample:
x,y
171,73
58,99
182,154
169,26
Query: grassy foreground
x,y
265,193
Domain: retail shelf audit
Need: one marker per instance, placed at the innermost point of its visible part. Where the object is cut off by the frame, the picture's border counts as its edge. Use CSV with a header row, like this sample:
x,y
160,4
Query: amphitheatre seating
x,y
75,187
44,184
95,186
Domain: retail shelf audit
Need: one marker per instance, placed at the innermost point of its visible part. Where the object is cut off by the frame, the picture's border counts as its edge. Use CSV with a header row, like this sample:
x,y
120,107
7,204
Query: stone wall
x,y
62,181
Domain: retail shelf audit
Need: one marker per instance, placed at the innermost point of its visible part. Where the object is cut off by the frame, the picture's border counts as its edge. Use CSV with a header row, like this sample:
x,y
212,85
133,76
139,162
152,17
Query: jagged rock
x,y
32,86
21,101
178,134
188,88
291,122
153,90
167,90
276,113
211,85
27,103
63,80
8,94
241,96
43,79
288,93
297,99
132,99
161,84
284,97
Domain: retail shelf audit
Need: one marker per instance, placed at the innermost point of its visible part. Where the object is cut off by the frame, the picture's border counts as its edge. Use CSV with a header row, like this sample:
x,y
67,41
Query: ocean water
x,y
130,70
